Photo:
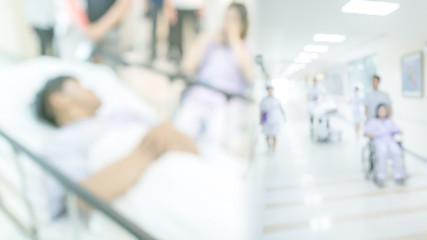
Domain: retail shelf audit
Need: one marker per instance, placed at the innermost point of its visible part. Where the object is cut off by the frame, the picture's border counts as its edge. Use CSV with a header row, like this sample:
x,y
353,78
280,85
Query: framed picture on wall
x,y
412,75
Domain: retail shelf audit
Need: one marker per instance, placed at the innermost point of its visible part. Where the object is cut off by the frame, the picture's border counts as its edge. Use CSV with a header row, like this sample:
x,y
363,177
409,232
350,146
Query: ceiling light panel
x,y
332,38
302,60
316,48
308,55
375,8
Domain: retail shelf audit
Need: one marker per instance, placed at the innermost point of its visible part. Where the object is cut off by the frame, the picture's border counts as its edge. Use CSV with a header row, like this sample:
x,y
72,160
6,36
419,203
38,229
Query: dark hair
x,y
243,13
378,108
377,77
41,104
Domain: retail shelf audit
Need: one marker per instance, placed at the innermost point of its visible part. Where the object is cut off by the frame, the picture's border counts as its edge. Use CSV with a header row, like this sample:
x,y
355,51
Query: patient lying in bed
x,y
64,103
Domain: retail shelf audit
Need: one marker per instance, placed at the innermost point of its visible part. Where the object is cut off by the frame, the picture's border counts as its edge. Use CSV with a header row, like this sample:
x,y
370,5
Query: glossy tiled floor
x,y
317,191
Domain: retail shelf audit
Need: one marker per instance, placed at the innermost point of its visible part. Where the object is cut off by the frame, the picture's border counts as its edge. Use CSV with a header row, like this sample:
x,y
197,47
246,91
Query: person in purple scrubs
x,y
382,130
221,61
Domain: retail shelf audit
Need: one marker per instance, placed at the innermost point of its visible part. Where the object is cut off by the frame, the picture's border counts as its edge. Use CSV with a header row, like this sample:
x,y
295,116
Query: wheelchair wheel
x,y
367,161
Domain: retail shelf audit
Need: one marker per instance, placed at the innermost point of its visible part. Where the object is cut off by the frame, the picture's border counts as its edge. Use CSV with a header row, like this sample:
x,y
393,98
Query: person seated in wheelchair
x,y
381,130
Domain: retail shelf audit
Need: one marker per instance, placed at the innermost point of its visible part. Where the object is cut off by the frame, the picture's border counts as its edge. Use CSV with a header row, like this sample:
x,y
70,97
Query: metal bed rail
x,y
172,76
73,190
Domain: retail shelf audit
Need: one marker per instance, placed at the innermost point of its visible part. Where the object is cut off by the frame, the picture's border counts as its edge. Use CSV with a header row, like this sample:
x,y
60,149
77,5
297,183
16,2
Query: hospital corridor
x,y
315,190
213,120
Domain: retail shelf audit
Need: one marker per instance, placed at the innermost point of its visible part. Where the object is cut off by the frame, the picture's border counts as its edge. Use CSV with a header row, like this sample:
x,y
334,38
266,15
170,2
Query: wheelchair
x,y
369,158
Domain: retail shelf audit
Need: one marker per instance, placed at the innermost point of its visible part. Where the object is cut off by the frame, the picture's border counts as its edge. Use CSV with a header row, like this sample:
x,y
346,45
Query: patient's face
x,y
382,112
80,97
232,23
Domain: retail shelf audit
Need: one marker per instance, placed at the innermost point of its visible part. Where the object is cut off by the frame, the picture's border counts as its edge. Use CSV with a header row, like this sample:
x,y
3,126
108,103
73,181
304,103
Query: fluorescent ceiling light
x,y
334,38
316,48
302,60
308,55
370,7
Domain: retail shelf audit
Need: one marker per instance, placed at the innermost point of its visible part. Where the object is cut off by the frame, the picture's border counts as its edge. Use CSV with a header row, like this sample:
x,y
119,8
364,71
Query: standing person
x,y
155,6
358,108
381,130
104,17
180,13
272,115
316,91
99,20
375,98
220,61
41,16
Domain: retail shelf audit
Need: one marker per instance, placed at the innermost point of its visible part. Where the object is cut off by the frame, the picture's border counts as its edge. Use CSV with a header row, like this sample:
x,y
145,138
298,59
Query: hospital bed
x,y
321,112
182,196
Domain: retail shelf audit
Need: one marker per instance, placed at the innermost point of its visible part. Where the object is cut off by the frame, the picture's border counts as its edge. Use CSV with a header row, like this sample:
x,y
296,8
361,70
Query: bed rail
x,y
73,190
172,76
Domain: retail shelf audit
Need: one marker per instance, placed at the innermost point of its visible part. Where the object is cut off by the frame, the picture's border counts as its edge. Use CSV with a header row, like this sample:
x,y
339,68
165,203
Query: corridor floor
x,y
317,190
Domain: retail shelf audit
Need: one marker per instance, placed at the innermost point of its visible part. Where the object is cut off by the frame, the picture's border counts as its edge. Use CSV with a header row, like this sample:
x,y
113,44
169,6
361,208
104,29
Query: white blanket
x,y
183,197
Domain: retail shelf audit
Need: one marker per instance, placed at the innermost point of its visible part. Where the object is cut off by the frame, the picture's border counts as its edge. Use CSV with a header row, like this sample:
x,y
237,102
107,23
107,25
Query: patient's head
x,y
382,111
63,100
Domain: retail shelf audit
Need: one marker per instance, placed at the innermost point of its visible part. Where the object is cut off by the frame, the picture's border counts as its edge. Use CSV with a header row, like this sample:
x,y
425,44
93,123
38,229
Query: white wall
x,y
410,113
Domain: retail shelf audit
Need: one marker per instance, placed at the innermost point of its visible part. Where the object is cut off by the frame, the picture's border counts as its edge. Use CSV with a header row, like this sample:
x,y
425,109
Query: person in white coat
x,y
272,116
358,108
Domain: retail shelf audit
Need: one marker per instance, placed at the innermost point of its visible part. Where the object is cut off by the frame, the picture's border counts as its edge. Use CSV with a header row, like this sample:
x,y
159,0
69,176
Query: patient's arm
x,y
117,178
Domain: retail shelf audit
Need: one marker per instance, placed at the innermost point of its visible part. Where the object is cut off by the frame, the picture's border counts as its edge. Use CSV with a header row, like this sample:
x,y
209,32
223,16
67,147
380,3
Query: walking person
x,y
358,108
375,98
272,116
